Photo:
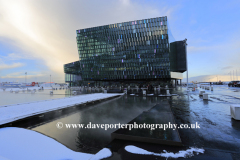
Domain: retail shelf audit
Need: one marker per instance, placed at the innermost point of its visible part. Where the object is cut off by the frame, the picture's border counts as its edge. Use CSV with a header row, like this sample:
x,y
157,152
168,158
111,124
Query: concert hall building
x,y
135,52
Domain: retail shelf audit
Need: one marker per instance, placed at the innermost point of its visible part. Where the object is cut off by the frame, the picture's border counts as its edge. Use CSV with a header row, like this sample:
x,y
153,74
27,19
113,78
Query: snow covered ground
x,y
24,144
18,111
187,153
18,96
23,89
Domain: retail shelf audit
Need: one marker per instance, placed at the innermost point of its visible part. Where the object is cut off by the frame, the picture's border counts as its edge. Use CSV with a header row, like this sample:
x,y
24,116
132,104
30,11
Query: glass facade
x,y
178,56
72,73
134,50
129,51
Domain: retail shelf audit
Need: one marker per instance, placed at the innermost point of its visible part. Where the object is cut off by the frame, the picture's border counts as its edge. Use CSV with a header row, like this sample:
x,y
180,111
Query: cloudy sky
x,y
39,36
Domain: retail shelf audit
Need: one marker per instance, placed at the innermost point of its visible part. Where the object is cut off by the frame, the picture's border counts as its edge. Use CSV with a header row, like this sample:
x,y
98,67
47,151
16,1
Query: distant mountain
x,y
210,78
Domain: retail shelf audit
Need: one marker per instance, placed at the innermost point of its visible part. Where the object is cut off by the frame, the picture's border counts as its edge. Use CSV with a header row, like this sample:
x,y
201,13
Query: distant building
x,y
130,52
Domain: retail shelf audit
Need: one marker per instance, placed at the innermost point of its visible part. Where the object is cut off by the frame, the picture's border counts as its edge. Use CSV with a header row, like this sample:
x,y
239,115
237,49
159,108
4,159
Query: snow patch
x,y
18,143
104,153
167,95
21,89
186,153
150,94
15,112
132,94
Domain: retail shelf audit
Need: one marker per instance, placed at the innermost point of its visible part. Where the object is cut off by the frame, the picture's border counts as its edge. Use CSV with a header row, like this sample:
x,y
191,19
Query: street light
x,y
233,75
236,75
230,76
185,44
25,77
210,78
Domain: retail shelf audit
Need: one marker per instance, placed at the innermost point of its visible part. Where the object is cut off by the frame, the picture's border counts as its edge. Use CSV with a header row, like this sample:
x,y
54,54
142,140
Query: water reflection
x,y
120,110
213,115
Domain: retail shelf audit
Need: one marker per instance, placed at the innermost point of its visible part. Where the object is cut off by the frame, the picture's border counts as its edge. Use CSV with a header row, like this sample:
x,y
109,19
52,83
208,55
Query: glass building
x,y
135,51
72,73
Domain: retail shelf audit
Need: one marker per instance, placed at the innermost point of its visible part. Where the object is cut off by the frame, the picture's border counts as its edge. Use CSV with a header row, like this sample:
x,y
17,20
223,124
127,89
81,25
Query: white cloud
x,y
227,67
30,77
125,2
9,66
46,30
195,49
21,75
209,78
16,56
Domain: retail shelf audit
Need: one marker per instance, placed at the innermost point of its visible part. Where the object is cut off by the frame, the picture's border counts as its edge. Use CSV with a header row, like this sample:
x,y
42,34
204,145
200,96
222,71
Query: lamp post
x,y
210,79
236,75
185,44
25,77
233,75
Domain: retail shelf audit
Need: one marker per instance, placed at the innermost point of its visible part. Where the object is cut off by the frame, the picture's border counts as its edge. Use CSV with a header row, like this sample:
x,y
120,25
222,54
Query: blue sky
x,y
38,36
